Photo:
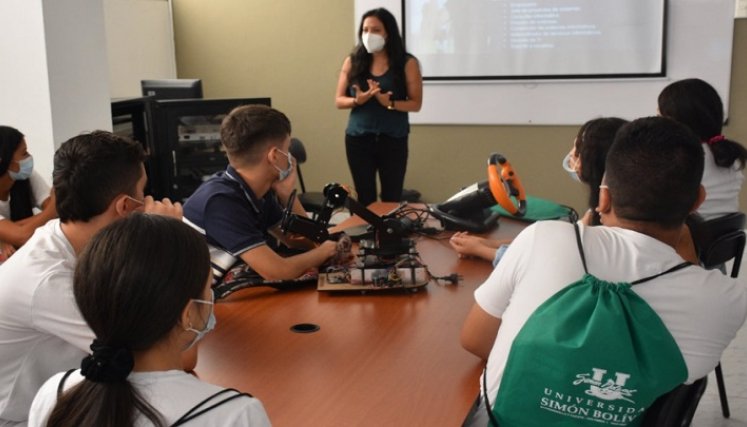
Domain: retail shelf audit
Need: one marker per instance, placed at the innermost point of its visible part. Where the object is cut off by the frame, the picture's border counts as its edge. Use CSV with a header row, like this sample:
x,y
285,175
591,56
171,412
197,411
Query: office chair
x,y
312,201
719,240
676,408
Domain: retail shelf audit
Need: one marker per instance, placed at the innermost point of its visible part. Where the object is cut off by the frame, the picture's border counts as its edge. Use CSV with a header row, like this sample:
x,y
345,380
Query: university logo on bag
x,y
606,390
605,398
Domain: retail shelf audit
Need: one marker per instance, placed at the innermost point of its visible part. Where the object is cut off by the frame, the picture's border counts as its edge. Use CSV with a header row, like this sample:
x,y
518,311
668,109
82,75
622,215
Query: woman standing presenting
x,y
380,82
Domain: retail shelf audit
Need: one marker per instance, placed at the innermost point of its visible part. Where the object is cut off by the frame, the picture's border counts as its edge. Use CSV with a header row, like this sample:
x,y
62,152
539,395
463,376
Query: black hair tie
x,y
107,364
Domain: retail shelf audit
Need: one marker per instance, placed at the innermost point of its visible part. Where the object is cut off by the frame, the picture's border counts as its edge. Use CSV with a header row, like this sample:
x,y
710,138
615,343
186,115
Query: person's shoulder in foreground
x,y
644,201
39,332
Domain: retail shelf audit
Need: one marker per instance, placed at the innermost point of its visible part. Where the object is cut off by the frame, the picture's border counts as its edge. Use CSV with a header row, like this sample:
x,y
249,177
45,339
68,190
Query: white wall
x,y
24,85
54,73
78,67
140,44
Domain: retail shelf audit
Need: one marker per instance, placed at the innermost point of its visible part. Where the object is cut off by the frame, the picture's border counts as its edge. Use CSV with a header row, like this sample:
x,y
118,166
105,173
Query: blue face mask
x,y
209,325
285,173
25,167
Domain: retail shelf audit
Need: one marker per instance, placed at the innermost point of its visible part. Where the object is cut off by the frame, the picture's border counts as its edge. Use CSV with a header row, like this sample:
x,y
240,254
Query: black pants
x,y
371,153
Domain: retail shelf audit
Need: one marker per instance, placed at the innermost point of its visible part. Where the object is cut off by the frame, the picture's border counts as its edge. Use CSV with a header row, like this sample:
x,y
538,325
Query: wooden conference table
x,y
379,359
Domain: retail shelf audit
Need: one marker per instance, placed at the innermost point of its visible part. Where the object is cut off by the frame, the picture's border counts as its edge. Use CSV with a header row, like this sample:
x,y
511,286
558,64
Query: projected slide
x,y
490,39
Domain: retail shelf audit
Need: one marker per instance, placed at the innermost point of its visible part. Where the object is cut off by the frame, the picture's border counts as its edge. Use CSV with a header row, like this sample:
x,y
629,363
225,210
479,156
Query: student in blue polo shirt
x,y
234,209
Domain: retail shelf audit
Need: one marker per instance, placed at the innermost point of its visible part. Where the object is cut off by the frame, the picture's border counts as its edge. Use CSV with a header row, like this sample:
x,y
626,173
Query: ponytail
x,y
105,398
697,105
727,152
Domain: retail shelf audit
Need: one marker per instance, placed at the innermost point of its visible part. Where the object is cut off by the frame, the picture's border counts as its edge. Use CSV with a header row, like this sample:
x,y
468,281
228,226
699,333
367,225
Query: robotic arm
x,y
389,232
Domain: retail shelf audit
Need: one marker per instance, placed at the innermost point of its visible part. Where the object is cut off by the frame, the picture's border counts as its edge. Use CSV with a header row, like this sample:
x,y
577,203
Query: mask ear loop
x,y
190,327
287,155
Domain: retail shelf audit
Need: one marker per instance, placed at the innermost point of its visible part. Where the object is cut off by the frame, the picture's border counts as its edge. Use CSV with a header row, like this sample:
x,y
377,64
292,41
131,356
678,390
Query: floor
x,y
734,366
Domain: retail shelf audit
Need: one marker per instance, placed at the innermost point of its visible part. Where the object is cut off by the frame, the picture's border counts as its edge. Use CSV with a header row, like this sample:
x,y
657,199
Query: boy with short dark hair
x,y
652,183
234,209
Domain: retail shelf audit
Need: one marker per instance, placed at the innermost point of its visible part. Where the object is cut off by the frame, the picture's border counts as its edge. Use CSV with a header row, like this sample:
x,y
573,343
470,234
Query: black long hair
x,y
593,141
21,196
360,59
131,285
697,105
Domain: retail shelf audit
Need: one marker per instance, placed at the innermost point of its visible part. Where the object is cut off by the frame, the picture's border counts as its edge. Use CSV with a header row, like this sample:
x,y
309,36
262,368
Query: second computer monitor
x,y
172,88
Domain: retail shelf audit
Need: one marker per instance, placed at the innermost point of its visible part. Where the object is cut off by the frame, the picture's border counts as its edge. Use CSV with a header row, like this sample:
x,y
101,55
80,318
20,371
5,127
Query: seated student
x,y
235,208
642,227
584,163
697,105
134,375
22,190
98,178
592,143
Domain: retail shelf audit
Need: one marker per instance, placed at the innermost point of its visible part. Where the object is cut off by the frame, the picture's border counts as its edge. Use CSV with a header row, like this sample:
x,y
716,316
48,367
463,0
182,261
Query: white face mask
x,y
285,173
569,165
372,42
209,325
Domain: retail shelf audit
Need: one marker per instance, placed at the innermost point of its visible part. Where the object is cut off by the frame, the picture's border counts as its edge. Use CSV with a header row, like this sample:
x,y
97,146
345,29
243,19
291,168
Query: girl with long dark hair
x,y
592,143
697,105
381,83
143,286
21,191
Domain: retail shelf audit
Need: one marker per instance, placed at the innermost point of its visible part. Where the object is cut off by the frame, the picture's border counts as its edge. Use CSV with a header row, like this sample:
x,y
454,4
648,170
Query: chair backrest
x,y
676,408
719,240
298,151
724,248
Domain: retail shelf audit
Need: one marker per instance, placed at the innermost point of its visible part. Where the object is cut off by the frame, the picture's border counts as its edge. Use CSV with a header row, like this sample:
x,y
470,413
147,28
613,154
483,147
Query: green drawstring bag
x,y
593,354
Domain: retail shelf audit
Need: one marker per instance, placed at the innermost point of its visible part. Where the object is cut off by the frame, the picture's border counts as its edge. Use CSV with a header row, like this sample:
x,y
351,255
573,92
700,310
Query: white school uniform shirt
x,y
722,187
40,190
544,259
172,394
41,329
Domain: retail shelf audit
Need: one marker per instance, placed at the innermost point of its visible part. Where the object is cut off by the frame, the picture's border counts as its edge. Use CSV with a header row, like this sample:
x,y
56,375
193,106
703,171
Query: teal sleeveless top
x,y
373,118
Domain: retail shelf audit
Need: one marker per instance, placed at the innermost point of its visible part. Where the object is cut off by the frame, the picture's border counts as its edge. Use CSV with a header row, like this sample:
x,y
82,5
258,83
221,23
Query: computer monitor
x,y
172,88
